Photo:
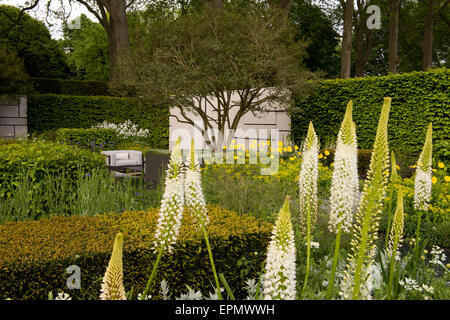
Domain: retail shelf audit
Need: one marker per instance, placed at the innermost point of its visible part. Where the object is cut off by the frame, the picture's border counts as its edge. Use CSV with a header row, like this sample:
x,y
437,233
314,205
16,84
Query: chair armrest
x,y
136,156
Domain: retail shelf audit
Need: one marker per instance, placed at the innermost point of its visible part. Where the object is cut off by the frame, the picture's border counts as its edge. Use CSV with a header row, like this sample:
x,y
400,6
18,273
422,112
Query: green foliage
x,y
418,98
43,158
70,87
314,26
34,258
51,111
94,139
88,50
32,41
13,77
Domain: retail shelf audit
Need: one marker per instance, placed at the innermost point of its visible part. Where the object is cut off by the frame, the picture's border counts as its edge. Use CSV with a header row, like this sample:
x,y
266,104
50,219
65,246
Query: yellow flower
x,y
280,150
299,153
280,143
268,143
234,141
327,153
434,179
289,149
320,156
441,165
292,159
224,147
447,178
434,170
296,147
397,167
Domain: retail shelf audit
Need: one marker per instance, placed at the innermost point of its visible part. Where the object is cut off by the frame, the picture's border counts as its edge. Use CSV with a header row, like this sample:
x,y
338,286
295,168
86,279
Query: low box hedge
x,y
34,255
40,158
94,139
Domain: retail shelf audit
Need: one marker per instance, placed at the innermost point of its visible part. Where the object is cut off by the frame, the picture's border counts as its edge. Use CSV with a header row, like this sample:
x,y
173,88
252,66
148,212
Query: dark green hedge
x,y
93,139
70,87
417,99
34,255
55,111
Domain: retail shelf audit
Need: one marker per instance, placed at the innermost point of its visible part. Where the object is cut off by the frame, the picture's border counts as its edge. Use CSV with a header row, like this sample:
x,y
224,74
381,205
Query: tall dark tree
x,y
31,40
346,51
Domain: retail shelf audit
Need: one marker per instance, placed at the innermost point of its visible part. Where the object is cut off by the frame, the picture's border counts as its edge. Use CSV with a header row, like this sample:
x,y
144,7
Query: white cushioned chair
x,y
123,158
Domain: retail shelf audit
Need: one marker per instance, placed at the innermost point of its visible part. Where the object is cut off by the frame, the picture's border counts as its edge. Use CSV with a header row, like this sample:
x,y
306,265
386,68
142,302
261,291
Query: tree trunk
x,y
346,54
393,36
427,45
285,5
118,37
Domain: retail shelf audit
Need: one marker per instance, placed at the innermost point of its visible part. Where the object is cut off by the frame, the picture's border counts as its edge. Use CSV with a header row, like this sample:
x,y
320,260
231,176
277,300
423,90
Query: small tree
x,y
210,55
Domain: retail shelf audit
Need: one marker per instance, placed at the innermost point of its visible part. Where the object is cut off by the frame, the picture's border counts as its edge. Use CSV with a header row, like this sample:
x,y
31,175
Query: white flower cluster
x,y
279,280
344,187
126,129
313,245
309,172
368,283
251,286
63,296
422,189
411,285
172,203
437,255
147,297
193,191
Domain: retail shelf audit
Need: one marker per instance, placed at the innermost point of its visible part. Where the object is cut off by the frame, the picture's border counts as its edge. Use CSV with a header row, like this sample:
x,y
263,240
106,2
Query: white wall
x,y
251,126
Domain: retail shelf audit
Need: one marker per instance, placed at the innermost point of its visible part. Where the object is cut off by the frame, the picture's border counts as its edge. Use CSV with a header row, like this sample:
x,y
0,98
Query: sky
x,y
53,24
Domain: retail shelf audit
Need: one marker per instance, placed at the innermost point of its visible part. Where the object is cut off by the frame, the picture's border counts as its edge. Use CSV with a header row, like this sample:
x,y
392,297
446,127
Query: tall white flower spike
x,y
345,183
279,280
422,181
172,203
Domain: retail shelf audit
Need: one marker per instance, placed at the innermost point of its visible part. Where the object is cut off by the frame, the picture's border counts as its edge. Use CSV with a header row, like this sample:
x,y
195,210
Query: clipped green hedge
x,y
70,87
94,139
43,158
53,111
417,99
34,255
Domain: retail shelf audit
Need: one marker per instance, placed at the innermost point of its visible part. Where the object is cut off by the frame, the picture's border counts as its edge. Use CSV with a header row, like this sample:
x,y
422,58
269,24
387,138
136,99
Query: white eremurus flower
x,y
172,203
422,181
364,230
309,172
279,280
345,183
112,285
193,189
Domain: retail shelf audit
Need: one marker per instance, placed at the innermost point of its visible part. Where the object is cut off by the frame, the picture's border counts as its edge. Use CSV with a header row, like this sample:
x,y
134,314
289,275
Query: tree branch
x,y
4,31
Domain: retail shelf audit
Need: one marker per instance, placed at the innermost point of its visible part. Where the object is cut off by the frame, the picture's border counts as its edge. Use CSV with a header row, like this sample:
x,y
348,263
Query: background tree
x,y
206,56
13,77
31,40
316,27
346,48
87,50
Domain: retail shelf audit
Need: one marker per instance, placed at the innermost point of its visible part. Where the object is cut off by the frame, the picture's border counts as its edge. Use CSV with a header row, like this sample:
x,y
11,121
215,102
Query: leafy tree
x,y
13,77
87,50
32,41
314,26
208,55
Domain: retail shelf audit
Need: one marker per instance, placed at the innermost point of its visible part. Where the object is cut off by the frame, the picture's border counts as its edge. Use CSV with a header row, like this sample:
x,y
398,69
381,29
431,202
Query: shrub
x,y
418,98
52,111
94,139
42,158
34,255
70,87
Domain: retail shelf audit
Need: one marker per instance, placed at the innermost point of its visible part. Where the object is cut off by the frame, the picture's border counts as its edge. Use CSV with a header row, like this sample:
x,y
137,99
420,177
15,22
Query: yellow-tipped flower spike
x,y
279,280
423,179
394,175
395,239
345,182
112,285
309,172
355,284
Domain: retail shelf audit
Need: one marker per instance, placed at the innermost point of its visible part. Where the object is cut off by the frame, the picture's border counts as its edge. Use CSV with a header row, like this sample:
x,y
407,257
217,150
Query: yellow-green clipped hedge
x,y
34,255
